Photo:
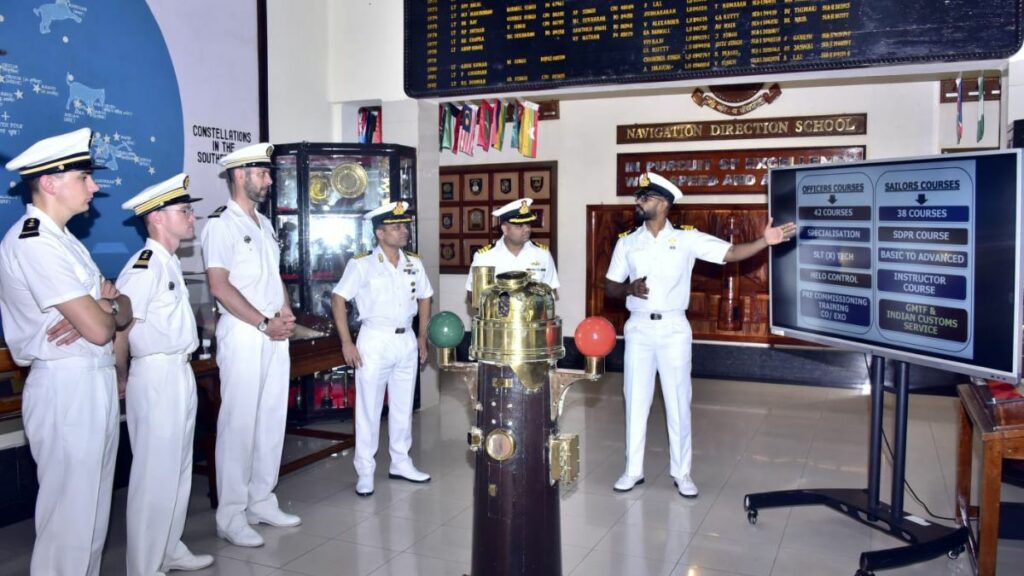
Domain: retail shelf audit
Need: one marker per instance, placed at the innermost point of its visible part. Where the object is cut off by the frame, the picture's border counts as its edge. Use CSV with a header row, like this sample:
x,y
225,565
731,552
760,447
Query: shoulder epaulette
x,y
216,213
687,227
484,248
627,233
143,262
541,246
411,254
30,229
361,255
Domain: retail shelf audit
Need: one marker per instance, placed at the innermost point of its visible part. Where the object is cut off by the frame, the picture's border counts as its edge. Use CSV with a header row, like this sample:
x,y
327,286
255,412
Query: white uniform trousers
x,y
253,412
390,362
72,421
663,347
161,414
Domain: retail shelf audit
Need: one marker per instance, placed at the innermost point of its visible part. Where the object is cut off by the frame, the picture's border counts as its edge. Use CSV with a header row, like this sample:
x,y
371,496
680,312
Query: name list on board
x,y
478,46
887,254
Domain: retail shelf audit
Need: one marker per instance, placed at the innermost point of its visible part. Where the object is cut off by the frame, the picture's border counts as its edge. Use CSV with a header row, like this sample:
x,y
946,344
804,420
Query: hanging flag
x,y
453,126
498,124
959,108
517,117
444,126
528,130
484,120
467,134
378,126
981,108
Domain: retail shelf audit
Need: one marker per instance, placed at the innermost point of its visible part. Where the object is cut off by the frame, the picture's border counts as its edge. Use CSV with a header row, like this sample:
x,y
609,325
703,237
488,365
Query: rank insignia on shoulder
x,y
361,255
216,213
483,249
143,262
687,227
30,229
626,233
541,246
411,254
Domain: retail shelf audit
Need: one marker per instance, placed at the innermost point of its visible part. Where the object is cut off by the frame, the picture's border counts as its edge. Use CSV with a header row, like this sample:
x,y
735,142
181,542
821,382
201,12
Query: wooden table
x,y
1001,427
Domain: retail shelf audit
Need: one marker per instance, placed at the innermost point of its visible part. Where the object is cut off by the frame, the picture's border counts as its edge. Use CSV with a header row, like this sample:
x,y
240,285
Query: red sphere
x,y
595,336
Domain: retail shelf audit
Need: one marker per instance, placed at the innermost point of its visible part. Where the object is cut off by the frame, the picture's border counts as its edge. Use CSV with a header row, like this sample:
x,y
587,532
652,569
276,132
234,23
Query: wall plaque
x,y
723,171
789,127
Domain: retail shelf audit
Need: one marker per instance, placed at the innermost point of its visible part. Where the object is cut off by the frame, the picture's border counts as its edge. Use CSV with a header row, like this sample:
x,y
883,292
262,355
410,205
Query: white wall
x,y
298,66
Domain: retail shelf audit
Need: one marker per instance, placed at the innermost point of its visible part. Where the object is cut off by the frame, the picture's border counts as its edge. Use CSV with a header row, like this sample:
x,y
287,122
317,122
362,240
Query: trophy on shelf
x,y
517,395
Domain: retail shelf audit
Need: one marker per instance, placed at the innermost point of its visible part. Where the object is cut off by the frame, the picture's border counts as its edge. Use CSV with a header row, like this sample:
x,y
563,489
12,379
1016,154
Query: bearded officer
x,y
514,251
243,269
59,316
390,287
651,268
161,388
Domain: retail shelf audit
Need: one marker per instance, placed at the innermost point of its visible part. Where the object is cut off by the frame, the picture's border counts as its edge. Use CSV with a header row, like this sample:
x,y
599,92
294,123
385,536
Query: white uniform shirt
x,y
385,295
249,252
42,266
532,258
667,261
164,321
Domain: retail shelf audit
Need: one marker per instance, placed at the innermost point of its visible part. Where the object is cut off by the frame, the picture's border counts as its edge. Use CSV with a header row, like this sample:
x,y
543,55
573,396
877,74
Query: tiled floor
x,y
748,437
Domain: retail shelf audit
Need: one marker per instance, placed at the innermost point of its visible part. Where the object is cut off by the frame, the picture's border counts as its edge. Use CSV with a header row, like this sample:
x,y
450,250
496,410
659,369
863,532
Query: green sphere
x,y
445,330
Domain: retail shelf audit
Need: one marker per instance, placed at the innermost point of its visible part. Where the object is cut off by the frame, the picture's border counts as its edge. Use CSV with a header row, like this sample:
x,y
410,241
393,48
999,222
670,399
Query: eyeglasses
x,y
645,196
187,211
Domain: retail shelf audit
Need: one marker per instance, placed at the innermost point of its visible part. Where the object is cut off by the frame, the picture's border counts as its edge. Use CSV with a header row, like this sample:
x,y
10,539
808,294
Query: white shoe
x,y
190,563
242,535
686,487
408,472
625,483
273,516
364,487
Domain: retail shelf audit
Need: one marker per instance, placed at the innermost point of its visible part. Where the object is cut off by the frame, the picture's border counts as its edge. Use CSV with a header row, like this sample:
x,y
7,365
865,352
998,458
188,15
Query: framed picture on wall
x,y
450,188
468,195
537,184
469,248
451,249
476,188
450,219
506,187
476,219
543,223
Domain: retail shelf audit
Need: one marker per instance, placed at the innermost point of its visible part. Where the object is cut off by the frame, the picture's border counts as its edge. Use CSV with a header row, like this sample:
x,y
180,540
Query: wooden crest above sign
x,y
723,171
737,99
788,127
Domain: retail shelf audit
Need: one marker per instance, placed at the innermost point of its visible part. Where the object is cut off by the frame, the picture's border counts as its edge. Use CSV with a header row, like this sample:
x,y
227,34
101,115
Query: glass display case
x,y
321,193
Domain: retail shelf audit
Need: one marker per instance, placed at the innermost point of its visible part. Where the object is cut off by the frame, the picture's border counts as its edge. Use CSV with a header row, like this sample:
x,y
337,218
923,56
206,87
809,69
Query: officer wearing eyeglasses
x,y
651,268
159,384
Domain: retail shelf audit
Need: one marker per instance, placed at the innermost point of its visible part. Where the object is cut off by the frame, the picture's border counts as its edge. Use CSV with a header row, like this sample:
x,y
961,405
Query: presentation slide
x,y
916,259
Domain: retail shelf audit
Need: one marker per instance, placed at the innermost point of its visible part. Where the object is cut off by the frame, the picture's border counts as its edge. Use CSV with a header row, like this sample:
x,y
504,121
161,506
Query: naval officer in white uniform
x,y
159,383
390,287
243,269
514,251
651,268
59,317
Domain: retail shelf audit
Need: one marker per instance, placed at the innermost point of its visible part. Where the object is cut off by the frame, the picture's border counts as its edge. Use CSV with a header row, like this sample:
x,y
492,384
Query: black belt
x,y
655,316
399,330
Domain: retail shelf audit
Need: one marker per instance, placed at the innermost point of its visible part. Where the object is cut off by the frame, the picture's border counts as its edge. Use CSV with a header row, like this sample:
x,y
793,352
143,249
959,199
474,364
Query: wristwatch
x,y
114,306
262,326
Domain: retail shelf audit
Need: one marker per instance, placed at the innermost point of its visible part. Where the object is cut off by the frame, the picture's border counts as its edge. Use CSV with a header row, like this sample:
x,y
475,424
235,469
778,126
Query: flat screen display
x,y
916,260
